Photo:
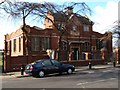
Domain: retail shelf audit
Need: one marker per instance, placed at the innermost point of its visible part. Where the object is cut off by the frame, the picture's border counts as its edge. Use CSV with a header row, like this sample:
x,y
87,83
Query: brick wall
x,y
84,62
14,63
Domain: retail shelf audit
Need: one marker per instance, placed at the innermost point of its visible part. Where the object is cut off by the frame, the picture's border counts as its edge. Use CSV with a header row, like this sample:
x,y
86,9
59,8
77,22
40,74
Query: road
x,y
96,78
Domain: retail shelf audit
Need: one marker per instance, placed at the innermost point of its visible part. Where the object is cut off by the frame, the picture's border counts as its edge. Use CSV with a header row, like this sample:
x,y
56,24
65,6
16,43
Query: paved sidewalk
x,y
81,68
12,75
95,67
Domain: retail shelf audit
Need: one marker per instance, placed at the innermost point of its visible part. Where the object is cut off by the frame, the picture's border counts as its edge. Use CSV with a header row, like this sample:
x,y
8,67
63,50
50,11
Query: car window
x,y
38,61
55,62
47,63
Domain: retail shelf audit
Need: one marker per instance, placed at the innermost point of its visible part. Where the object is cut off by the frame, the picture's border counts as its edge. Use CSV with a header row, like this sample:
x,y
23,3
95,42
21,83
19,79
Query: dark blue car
x,y
42,67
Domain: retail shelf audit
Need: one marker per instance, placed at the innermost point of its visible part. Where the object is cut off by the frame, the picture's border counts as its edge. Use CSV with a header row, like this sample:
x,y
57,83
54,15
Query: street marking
x,y
95,81
107,71
89,72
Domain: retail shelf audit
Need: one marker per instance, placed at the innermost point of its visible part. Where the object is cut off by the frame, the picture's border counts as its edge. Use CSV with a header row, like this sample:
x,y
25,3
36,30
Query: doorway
x,y
75,53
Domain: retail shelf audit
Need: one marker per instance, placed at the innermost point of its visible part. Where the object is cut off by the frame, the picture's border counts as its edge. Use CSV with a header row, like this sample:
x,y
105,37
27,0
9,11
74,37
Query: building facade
x,y
72,40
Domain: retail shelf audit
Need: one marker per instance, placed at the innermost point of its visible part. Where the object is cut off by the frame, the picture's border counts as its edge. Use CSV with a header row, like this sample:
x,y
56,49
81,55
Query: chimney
x,y
69,10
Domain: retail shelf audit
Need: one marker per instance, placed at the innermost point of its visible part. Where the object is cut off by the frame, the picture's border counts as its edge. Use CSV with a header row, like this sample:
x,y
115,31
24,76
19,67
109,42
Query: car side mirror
x,y
43,65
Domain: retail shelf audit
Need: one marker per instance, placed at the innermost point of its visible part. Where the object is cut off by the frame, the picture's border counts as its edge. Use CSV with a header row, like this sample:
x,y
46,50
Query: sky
x,y
105,13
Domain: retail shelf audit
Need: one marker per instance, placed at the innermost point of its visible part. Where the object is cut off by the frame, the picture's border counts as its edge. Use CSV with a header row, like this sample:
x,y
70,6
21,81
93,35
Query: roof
x,y
85,20
60,17
63,17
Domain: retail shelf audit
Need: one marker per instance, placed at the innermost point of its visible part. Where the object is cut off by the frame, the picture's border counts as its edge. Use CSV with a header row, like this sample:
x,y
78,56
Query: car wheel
x,y
69,71
41,74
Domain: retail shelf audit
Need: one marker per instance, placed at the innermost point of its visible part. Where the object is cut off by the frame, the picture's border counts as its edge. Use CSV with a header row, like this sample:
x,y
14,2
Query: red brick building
x,y
79,43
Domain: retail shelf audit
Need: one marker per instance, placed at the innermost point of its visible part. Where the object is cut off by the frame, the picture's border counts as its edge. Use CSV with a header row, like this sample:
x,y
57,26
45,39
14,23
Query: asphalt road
x,y
100,78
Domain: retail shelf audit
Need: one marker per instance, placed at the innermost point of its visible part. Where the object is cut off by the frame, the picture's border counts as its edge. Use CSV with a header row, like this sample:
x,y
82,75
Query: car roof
x,y
37,61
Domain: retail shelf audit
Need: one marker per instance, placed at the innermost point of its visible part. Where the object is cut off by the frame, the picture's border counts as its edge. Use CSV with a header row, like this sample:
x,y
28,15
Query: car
x,y
40,68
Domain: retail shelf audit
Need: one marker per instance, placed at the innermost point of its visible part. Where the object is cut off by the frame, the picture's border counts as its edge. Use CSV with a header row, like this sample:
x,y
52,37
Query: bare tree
x,y
64,17
21,10
2,2
25,9
116,32
116,28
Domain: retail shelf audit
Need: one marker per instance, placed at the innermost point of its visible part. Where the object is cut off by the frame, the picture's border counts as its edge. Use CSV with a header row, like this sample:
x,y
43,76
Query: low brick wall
x,y
14,63
84,62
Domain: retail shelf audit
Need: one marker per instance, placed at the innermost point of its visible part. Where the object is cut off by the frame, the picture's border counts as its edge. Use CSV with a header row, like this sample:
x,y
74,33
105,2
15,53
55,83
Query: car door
x,y
48,66
56,65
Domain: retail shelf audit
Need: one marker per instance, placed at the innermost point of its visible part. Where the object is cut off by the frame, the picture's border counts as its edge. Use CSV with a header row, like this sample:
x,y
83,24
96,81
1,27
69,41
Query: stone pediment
x,y
75,33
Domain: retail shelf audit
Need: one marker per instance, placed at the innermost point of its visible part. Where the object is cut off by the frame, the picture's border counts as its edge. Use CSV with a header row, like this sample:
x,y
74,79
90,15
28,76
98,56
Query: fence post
x,y
114,64
90,65
22,69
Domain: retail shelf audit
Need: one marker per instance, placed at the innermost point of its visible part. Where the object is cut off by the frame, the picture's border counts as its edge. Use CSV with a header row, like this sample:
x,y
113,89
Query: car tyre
x,y
41,74
69,71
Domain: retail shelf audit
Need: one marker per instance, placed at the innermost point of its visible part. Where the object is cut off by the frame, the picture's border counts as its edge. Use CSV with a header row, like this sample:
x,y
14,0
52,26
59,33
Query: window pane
x,y
86,28
45,43
74,28
64,46
35,45
55,62
47,63
87,46
14,45
98,44
19,44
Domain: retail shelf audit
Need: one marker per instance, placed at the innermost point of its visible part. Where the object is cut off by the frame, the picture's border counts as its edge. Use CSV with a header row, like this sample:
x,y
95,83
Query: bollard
x,y
114,64
22,69
90,65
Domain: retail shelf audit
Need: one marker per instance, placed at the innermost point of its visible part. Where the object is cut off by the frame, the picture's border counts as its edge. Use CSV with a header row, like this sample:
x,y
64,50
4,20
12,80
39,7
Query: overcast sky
x,y
105,13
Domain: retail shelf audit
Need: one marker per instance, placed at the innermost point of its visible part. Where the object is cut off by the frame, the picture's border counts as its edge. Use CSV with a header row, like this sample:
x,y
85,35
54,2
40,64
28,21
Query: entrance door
x,y
75,53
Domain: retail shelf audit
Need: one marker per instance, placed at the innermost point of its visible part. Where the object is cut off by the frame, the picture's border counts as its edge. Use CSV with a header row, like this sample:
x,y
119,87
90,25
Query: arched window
x,y
87,46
